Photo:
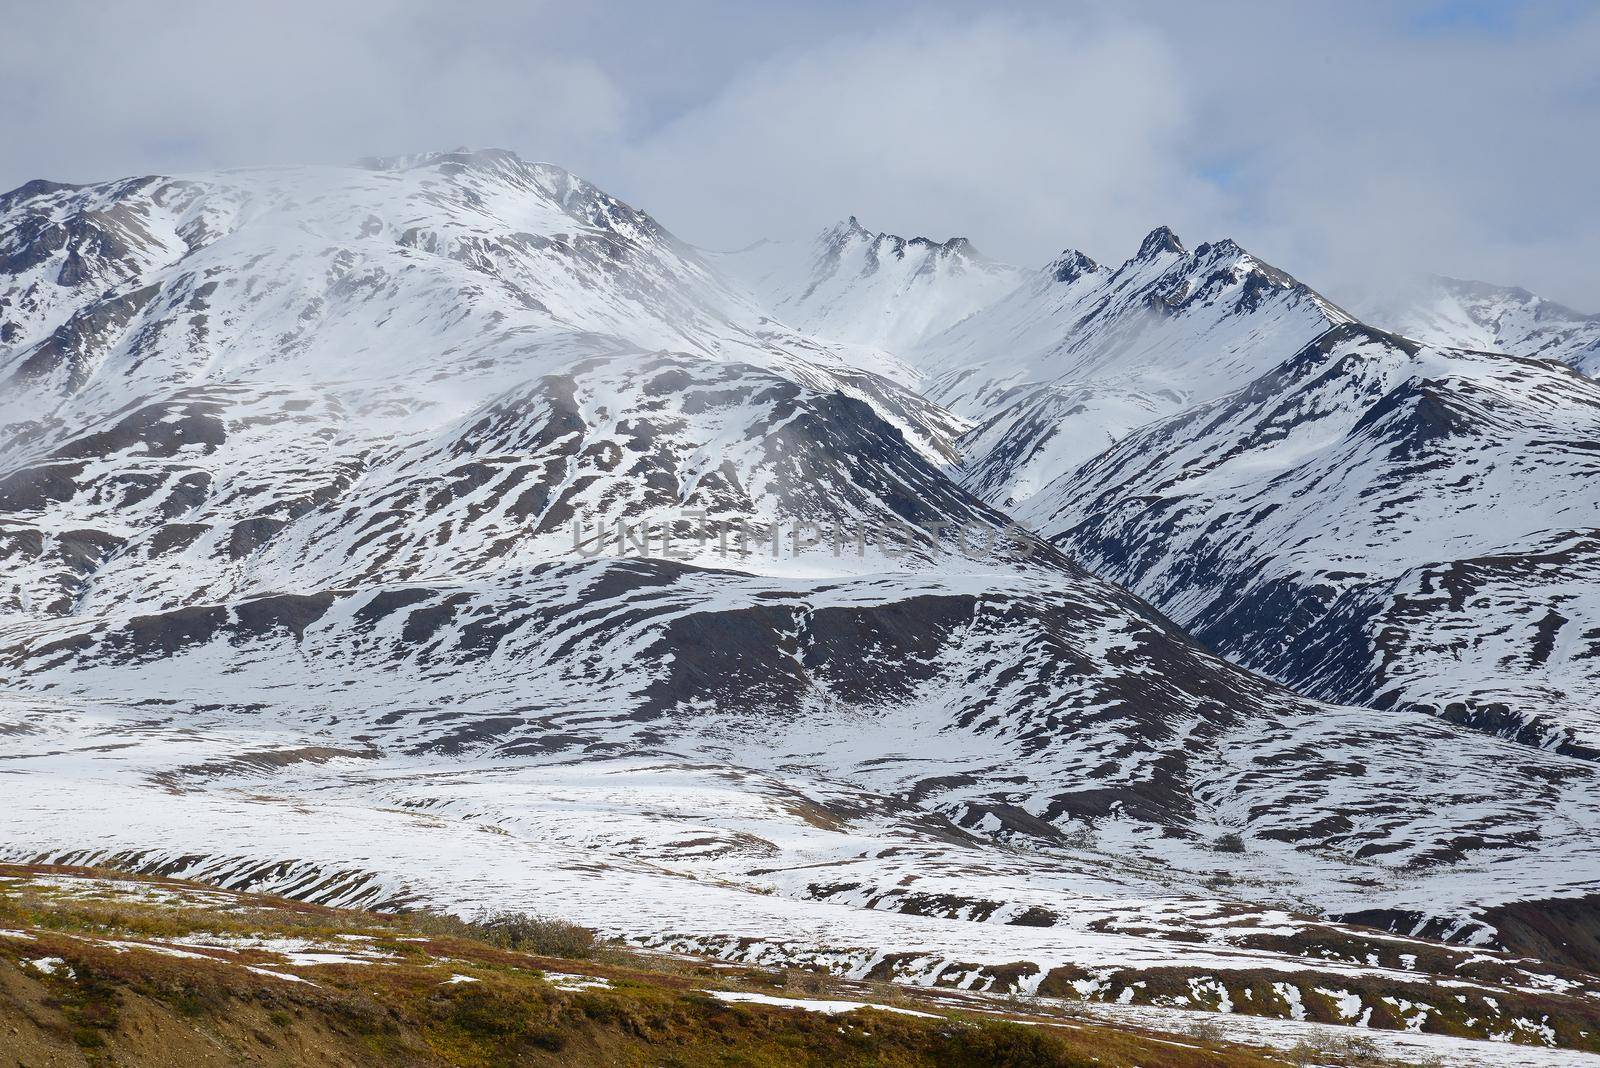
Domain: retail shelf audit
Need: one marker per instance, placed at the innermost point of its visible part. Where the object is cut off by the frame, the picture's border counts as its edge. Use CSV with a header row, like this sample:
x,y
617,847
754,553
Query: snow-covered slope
x,y
444,278
1067,364
408,266
774,868
876,295
1457,313
1375,521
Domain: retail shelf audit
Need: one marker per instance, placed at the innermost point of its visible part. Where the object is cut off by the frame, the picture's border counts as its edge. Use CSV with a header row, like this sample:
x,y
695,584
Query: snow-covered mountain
x,y
1457,313
1107,409
1082,354
310,491
466,267
873,294
1373,521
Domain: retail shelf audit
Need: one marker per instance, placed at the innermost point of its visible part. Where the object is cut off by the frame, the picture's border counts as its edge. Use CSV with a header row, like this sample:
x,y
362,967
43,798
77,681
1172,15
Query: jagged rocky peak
x,y
841,234
858,286
1218,266
1225,249
1162,241
1072,265
1158,241
1229,253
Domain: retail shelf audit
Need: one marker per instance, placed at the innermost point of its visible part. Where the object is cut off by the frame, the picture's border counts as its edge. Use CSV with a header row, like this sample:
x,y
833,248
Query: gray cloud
x,y
1350,144
103,90
1371,147
1022,134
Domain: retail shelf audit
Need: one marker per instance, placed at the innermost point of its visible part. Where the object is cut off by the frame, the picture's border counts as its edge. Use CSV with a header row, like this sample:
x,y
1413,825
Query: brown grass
x,y
137,1008
521,931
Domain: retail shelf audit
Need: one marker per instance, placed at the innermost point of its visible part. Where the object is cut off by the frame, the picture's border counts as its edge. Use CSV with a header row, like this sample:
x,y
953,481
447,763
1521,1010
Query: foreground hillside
x,y
98,968
101,969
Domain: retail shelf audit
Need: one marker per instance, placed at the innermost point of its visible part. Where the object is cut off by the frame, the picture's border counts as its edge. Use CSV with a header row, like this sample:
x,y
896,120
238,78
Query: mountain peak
x,y
852,228
1225,249
34,188
1160,240
1071,265
1472,289
1488,317
955,246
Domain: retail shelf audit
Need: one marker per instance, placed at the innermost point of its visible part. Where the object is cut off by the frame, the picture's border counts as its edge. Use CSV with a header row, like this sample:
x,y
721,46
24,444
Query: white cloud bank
x,y
1349,143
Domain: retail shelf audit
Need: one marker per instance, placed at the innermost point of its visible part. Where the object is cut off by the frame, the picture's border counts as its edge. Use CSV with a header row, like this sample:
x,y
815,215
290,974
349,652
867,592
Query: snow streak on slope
x,y
211,493
1041,725
1374,521
1456,313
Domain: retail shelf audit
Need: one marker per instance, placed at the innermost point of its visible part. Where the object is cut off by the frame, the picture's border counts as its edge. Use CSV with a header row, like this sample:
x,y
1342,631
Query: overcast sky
x,y
1348,143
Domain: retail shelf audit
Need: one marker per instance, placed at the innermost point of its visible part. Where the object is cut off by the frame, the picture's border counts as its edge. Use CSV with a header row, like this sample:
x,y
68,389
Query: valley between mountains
x,y
1286,703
